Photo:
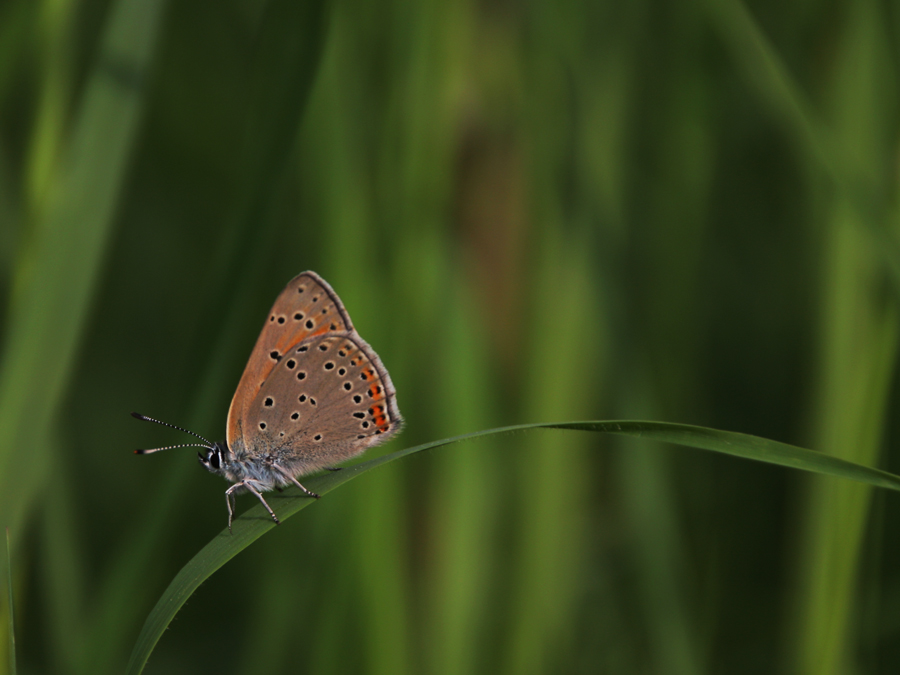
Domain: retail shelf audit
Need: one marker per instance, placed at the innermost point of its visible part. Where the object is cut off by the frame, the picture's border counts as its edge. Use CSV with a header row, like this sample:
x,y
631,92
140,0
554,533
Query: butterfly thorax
x,y
236,465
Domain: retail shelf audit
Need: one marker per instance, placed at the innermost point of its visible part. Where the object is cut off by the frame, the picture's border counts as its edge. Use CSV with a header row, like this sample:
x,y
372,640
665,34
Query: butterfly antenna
x,y
171,447
138,416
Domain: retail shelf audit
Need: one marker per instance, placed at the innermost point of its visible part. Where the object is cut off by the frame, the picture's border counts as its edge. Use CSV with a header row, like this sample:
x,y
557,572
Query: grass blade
x,y
765,67
255,522
11,623
57,270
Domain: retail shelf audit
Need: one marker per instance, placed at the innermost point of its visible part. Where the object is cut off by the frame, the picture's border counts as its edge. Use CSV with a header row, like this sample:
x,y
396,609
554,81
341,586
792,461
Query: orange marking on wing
x,y
289,341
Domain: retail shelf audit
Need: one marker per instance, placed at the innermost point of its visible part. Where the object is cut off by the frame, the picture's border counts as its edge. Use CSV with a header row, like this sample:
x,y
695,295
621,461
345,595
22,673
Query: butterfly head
x,y
215,458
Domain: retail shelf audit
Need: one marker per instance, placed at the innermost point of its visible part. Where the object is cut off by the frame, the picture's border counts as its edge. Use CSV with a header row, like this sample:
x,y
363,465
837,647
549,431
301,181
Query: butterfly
x,y
313,394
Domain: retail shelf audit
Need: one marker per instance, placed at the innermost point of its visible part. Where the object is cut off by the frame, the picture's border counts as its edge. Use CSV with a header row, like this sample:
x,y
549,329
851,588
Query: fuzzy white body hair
x,y
265,471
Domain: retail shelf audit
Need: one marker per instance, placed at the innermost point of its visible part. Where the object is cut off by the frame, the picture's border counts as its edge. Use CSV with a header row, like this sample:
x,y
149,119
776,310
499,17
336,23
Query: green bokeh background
x,y
534,211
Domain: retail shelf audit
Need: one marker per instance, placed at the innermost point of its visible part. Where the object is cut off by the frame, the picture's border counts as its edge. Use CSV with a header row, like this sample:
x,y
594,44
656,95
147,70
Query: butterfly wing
x,y
328,399
306,308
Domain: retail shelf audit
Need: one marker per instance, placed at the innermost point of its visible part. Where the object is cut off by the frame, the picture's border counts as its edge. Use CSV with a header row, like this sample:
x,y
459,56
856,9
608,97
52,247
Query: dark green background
x,y
534,211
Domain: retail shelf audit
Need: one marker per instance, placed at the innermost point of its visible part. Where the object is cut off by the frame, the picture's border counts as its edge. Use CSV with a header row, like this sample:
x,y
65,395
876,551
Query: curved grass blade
x,y
255,522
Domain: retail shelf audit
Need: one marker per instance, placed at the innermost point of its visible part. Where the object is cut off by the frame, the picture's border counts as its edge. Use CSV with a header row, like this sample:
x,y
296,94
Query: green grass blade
x,y
58,269
855,183
11,623
255,522
856,361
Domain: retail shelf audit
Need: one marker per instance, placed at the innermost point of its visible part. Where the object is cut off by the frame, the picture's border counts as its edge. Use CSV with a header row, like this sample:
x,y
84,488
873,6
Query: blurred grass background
x,y
534,211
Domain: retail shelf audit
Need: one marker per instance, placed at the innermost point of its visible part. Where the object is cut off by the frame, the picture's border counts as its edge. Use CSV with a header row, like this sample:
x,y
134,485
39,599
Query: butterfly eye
x,y
213,459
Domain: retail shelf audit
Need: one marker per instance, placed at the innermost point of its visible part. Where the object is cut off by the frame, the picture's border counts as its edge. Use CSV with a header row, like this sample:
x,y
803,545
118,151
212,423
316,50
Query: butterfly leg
x,y
284,473
333,468
229,502
229,495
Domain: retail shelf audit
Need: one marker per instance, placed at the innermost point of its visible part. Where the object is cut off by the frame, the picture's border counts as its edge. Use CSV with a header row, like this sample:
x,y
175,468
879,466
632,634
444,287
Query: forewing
x,y
306,308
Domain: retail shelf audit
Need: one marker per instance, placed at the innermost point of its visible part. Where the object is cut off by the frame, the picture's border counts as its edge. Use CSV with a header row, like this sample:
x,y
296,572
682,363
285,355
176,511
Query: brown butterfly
x,y
313,394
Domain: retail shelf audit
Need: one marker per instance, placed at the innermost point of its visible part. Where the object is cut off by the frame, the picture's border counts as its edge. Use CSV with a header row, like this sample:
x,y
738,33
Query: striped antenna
x,y
138,416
